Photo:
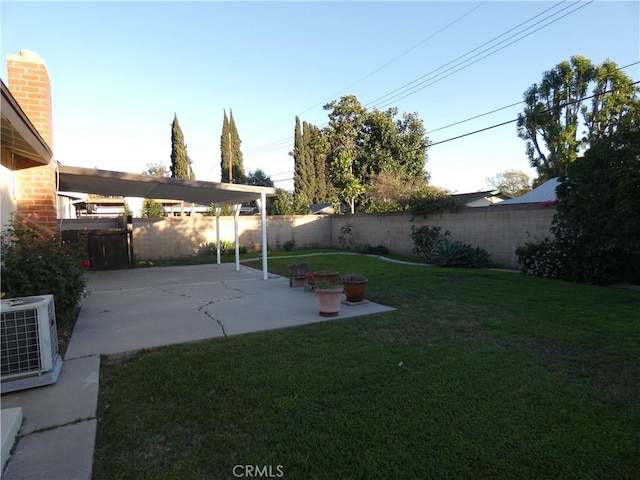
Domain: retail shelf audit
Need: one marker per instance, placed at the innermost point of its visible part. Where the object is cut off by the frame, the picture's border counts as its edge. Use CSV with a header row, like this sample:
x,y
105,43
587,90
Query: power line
x,y
386,64
502,123
403,90
423,84
515,120
502,108
494,111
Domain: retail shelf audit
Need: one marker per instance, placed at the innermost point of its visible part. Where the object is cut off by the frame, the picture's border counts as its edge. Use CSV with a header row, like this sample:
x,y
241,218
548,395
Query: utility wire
x,y
402,90
515,120
386,64
503,123
423,84
502,108
288,140
462,56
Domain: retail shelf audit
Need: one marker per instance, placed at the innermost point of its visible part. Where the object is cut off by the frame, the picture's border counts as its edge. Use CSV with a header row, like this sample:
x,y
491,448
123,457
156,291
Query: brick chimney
x,y
30,85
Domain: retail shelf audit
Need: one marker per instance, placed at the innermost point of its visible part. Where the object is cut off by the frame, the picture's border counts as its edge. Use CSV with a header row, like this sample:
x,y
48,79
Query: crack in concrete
x,y
236,289
53,427
202,309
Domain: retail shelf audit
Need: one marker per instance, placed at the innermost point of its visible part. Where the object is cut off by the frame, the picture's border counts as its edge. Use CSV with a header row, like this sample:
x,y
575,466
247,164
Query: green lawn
x,y
478,374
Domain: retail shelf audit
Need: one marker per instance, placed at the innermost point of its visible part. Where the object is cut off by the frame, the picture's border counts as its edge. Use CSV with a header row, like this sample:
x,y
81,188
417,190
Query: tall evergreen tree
x,y
180,161
231,162
310,157
319,148
303,171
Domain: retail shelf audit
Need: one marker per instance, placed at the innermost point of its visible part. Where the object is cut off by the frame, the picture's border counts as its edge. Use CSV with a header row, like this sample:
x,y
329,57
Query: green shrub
x,y
451,253
36,264
425,239
478,257
226,248
540,258
288,245
433,200
597,225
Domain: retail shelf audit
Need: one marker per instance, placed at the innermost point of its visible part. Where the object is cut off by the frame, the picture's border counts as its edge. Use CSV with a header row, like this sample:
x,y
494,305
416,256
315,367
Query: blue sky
x,y
121,69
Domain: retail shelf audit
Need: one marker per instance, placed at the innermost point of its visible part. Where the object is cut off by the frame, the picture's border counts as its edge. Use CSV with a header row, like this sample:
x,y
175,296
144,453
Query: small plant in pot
x,y
355,284
329,297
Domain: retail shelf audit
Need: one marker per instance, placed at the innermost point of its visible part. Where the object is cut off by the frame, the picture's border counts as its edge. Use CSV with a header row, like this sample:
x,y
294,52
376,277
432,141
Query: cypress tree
x,y
180,161
319,147
238,163
225,150
231,163
298,163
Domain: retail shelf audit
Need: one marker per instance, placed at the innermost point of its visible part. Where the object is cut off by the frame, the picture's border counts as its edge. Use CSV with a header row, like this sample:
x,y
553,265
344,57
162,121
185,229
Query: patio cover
x,y
105,182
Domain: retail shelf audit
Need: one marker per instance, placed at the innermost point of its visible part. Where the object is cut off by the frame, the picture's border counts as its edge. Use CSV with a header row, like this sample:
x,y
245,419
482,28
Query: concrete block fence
x,y
497,229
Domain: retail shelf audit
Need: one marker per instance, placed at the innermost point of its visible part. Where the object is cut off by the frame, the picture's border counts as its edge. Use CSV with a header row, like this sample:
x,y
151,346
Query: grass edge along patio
x,y
478,374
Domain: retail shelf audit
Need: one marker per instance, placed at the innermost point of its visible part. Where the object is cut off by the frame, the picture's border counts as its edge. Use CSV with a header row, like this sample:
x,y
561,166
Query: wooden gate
x,y
110,249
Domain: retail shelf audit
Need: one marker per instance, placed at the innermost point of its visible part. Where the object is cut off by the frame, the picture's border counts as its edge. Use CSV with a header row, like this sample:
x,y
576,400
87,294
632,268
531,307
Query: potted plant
x,y
354,285
329,297
330,276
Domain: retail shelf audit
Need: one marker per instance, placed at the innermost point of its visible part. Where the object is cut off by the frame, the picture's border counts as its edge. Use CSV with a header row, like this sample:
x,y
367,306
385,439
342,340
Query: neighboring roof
x,y
487,194
19,135
104,182
542,193
321,208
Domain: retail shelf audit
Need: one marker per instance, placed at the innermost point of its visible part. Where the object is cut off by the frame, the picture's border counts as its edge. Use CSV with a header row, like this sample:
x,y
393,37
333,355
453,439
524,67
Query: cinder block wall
x,y
497,229
178,236
30,85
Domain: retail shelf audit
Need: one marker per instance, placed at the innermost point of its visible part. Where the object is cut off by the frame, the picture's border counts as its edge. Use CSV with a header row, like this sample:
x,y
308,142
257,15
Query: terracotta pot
x,y
354,290
328,276
329,301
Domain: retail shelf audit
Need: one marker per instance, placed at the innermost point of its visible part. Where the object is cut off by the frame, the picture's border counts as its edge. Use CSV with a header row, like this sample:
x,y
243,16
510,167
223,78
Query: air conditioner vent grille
x,y
20,342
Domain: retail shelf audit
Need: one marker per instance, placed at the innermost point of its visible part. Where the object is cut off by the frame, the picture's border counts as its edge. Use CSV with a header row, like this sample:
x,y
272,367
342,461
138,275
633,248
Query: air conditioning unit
x,y
28,343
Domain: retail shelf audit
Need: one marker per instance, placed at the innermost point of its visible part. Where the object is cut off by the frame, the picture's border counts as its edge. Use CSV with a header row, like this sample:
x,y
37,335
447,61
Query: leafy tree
x,y
152,209
225,211
432,200
282,204
597,226
157,170
180,161
385,192
345,133
127,209
231,163
259,178
557,108
395,146
512,182
364,144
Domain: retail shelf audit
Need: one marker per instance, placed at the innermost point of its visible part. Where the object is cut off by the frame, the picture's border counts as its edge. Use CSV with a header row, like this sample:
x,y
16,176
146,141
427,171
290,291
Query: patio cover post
x,y
218,209
236,214
262,205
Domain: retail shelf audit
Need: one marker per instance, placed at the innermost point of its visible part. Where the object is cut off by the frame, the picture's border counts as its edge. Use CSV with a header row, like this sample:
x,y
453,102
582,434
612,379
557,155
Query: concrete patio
x,y
129,310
